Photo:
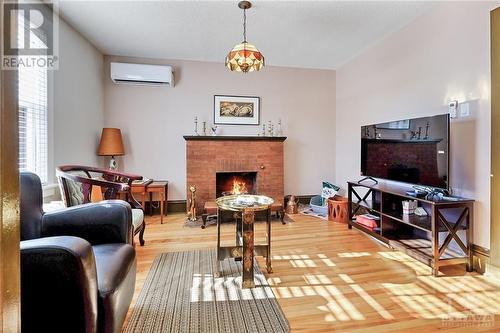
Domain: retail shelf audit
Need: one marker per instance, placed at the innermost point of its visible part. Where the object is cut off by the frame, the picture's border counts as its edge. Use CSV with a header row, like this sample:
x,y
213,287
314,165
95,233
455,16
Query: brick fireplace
x,y
257,161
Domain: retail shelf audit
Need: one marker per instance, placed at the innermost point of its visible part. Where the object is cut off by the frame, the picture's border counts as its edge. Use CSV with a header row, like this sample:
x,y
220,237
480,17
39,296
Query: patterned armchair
x,y
77,182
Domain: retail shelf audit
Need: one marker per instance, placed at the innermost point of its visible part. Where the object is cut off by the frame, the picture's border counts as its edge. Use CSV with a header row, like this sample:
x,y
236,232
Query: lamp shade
x,y
245,58
111,142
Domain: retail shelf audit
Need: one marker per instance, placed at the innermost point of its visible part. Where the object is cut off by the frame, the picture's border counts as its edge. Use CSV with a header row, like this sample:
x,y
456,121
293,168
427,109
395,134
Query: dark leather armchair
x,y
78,266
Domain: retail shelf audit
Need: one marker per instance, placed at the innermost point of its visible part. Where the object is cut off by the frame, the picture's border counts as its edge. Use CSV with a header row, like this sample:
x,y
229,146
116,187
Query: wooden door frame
x,y
495,141
10,298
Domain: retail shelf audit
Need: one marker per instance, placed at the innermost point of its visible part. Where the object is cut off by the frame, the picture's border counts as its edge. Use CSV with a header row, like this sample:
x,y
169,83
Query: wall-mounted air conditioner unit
x,y
142,74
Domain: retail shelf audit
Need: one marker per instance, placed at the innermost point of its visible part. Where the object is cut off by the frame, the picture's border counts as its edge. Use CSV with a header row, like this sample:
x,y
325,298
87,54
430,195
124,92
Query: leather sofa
x,y
78,266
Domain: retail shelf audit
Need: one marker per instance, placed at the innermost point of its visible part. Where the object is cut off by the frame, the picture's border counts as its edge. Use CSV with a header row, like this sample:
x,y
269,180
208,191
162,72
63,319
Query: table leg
x,y
143,196
268,252
150,203
248,248
165,203
217,262
239,230
162,200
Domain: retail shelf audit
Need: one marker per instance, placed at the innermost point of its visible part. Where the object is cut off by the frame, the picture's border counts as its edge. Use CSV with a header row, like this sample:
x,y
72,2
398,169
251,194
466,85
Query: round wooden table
x,y
245,249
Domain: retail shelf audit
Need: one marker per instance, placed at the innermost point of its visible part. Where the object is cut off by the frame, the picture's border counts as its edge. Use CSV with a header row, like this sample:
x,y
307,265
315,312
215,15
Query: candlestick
x,y
279,131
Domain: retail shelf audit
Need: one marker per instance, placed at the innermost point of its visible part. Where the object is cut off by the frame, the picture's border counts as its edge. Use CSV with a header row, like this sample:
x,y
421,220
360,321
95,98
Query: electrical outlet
x,y
452,109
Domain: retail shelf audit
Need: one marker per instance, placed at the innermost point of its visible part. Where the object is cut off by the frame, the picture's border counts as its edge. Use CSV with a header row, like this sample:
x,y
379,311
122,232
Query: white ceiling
x,y
307,34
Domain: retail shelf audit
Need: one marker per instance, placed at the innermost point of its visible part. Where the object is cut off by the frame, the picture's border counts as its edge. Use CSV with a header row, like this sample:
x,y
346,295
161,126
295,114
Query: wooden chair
x,y
77,184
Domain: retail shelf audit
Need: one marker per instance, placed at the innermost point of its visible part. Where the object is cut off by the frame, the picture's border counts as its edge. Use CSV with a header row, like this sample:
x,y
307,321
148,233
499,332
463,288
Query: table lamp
x,y
111,145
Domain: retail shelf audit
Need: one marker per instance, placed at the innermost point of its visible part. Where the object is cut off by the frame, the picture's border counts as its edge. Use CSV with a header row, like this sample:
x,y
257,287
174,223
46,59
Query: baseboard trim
x,y
303,199
479,250
176,206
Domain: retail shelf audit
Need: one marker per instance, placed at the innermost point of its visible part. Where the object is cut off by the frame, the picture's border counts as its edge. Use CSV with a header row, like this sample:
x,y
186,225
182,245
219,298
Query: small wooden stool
x,y
277,208
209,211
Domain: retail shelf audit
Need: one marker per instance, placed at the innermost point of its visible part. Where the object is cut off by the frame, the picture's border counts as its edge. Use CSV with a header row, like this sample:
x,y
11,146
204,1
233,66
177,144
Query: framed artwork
x,y
236,110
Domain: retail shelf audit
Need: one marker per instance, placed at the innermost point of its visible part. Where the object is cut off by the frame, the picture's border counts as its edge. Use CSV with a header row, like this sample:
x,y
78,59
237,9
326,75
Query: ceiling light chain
x,y
244,25
244,57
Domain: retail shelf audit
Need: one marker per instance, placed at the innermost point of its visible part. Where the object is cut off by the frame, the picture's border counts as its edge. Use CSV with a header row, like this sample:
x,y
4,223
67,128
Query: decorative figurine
x,y
204,128
269,129
196,125
213,130
272,130
192,204
292,204
263,129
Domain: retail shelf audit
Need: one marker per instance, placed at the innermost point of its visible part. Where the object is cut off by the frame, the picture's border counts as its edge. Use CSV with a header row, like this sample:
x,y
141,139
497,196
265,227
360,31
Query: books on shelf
x,y
368,221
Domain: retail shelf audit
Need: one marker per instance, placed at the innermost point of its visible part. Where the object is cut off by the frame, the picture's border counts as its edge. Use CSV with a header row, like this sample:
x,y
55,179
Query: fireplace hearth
x,y
227,183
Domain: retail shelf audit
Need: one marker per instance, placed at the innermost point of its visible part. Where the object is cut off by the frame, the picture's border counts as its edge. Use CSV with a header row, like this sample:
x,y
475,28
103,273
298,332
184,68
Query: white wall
x,y
77,99
441,56
154,119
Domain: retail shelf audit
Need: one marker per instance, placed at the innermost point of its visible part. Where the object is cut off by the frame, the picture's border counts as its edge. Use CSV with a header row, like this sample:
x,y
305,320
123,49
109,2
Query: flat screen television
x,y
414,151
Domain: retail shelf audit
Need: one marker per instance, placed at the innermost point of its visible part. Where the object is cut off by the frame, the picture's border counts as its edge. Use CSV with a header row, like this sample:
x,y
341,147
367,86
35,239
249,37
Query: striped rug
x,y
181,294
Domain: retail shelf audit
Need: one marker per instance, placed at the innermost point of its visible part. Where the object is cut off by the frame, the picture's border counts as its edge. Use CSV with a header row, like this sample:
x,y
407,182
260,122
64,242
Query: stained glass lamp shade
x,y
244,58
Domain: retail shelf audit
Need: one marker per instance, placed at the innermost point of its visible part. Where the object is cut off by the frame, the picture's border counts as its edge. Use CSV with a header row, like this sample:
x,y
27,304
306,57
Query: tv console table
x,y
441,238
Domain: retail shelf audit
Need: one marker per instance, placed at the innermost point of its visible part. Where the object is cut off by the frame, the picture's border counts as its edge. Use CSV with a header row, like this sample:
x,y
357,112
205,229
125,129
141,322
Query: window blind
x,y
32,117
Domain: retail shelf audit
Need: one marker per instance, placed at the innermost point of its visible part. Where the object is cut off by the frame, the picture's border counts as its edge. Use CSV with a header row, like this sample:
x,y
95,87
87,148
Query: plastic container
x,y
316,206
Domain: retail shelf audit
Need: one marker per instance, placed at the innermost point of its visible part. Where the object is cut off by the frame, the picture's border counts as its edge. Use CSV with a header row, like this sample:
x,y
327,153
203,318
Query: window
x,y
33,117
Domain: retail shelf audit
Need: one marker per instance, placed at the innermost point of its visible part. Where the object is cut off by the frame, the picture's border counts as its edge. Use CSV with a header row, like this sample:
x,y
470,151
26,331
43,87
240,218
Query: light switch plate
x,y
464,110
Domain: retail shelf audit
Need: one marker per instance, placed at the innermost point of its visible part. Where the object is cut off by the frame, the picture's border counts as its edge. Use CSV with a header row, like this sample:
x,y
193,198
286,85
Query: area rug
x,y
181,294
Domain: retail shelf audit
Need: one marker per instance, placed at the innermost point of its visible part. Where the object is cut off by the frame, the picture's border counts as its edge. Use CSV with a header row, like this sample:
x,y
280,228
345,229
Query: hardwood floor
x,y
328,278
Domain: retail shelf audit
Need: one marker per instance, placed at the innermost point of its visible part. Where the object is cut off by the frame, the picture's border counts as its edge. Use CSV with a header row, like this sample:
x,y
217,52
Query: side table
x,y
160,187
245,249
141,188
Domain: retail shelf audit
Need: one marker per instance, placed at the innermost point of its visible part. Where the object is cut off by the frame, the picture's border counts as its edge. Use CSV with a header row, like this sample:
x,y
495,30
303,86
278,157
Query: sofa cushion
x,y
137,217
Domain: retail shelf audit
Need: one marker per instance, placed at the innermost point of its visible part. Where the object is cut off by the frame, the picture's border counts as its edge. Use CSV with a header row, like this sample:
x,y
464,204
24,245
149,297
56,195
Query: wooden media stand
x,y
441,238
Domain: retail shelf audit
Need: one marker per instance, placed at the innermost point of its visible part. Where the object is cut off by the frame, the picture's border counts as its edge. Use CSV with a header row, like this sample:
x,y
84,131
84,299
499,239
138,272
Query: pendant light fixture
x,y
244,57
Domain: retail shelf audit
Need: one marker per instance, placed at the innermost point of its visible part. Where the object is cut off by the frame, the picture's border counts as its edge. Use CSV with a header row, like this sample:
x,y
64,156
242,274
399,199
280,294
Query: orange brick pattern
x,y
204,158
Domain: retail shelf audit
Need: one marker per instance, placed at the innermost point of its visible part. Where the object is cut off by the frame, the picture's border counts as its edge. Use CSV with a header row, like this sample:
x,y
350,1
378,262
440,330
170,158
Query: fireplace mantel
x,y
233,138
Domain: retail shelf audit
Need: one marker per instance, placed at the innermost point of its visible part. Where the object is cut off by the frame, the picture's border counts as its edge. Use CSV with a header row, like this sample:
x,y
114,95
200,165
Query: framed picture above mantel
x,y
236,110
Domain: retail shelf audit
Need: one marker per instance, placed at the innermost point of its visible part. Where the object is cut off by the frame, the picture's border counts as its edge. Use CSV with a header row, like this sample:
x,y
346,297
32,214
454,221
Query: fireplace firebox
x,y
227,183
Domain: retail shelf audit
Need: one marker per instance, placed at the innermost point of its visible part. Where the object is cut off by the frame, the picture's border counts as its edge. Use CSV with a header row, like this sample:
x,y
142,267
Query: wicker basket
x,y
337,209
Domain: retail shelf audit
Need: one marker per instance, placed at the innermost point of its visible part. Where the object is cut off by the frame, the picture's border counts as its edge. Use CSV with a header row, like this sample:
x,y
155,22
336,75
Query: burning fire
x,y
239,186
